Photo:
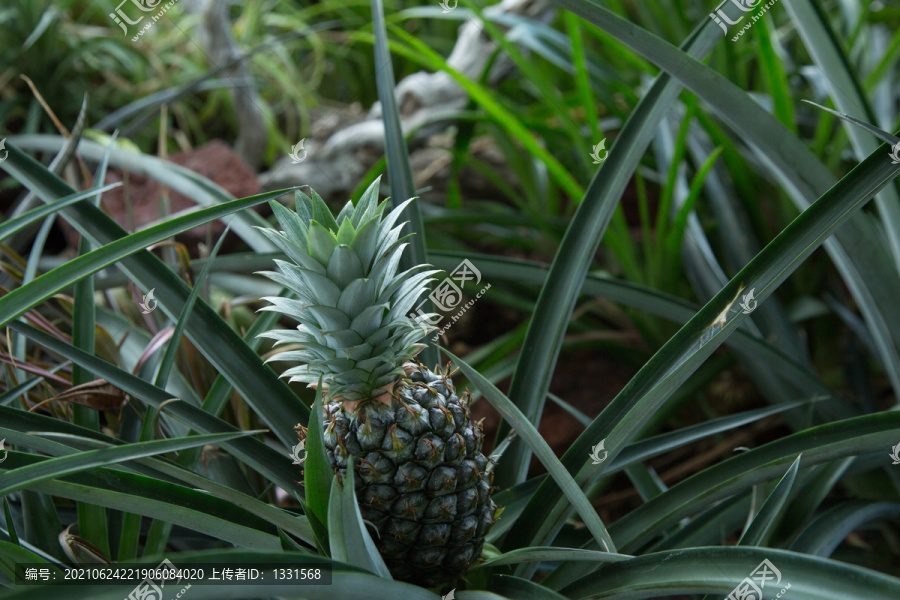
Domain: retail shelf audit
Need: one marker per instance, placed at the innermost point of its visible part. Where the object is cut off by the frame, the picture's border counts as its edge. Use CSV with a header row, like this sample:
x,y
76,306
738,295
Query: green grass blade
x,y
271,398
284,520
522,589
10,524
718,570
556,302
23,477
183,180
711,526
92,520
422,54
347,534
12,554
773,508
800,173
686,350
773,72
552,554
829,529
14,225
807,501
542,451
826,50
27,296
42,525
397,155
258,455
168,359
189,509
221,389
851,437
317,471
666,442
656,303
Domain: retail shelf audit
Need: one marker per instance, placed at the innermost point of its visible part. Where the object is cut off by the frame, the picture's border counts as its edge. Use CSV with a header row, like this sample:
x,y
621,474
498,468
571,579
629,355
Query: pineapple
x,y
423,483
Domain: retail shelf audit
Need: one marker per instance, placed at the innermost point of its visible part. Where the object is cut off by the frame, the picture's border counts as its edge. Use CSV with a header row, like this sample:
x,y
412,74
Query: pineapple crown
x,y
351,303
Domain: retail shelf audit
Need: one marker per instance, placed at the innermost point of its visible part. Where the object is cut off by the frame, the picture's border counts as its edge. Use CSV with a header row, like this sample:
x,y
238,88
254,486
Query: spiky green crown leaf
x,y
352,304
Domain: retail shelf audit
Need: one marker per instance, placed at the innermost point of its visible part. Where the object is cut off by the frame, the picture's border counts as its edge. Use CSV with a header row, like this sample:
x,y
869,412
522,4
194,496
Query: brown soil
x,y
214,160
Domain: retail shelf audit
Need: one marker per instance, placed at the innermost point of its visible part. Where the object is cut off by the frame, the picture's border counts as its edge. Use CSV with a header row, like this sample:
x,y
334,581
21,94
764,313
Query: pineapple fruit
x,y
422,480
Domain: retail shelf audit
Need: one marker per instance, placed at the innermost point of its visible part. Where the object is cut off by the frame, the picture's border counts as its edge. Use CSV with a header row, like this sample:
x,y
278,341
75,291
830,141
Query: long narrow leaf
x,y
271,398
17,479
542,450
347,534
694,342
771,510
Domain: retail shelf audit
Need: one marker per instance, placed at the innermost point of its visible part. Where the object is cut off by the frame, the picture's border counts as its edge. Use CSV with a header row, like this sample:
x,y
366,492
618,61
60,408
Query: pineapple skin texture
x,y
422,480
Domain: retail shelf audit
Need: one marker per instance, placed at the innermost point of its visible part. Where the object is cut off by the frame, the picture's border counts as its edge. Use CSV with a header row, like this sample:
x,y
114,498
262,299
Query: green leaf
x,y
397,155
718,570
14,225
554,307
758,532
159,468
181,179
168,359
347,534
623,418
318,475
850,437
12,554
92,520
522,589
29,295
826,50
10,524
17,479
656,303
857,249
551,554
264,459
169,503
738,474
542,451
813,493
289,545
270,398
829,529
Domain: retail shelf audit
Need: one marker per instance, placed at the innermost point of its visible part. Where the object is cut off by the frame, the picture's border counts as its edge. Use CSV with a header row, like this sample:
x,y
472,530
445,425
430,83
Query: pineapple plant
x,y
423,482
